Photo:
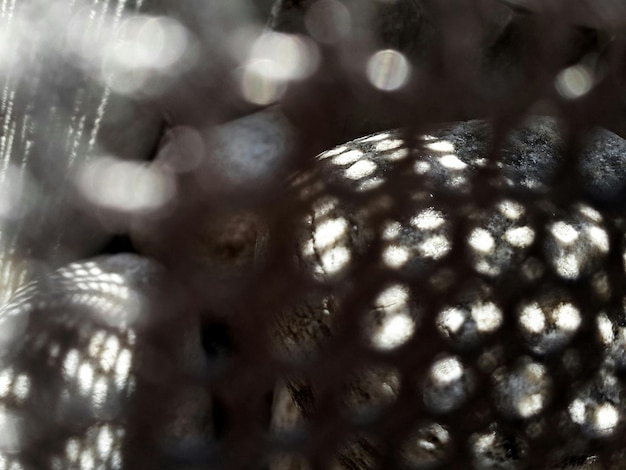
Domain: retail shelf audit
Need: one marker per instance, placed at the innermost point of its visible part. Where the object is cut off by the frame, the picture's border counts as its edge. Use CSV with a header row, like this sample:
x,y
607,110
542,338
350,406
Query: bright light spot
x,y
143,44
511,210
435,247
99,392
599,237
122,368
347,158
361,169
105,440
397,325
387,70
520,237
124,186
396,155
530,405
72,450
429,219
533,319
87,459
391,230
452,319
484,442
564,232
452,162
157,42
443,146
445,371
395,256
393,297
567,266
256,83
333,260
21,388
421,167
590,213
605,419
324,206
369,184
487,316
605,328
70,364
527,389
481,240
394,332
329,232
328,21
85,378
388,144
574,82
333,152
109,353
566,317
577,411
95,343
290,56
6,380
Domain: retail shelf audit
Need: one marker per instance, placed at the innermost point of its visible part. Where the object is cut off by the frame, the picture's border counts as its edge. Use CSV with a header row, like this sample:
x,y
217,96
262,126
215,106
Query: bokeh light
x,y
273,60
574,82
388,70
124,186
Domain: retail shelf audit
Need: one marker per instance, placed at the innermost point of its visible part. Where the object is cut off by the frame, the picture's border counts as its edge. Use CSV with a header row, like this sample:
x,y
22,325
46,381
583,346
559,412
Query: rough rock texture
x,y
494,307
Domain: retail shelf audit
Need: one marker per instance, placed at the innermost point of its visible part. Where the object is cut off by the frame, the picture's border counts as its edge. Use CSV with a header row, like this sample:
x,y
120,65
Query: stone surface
x,y
92,356
480,275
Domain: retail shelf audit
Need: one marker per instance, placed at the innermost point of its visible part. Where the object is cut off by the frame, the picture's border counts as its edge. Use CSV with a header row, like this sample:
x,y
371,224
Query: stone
x,y
480,275
88,353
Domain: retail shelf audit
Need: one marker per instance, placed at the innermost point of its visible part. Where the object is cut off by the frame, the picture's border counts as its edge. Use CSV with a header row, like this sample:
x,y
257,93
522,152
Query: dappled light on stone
x,y
523,391
598,408
84,326
393,320
448,385
549,322
511,269
327,248
577,245
468,323
426,446
100,449
423,238
433,294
